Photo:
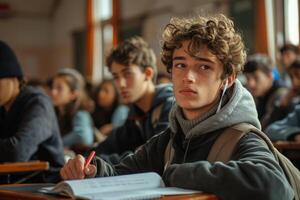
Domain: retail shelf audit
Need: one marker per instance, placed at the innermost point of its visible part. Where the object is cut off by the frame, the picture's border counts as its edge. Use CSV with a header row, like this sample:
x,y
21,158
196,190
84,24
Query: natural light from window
x,y
103,9
292,21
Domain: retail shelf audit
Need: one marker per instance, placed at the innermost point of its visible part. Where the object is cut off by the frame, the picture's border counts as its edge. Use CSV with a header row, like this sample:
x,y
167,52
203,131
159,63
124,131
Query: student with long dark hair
x,y
72,105
108,113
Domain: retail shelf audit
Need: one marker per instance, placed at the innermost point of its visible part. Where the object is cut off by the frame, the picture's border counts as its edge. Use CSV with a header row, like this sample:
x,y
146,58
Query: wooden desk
x,y
26,192
23,166
290,149
287,145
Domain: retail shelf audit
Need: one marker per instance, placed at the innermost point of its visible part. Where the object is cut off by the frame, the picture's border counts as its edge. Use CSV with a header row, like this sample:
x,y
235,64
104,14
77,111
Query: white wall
x,y
69,17
30,40
44,44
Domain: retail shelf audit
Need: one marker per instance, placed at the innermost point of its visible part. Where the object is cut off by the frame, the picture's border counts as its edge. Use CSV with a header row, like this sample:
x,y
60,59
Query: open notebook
x,y
134,186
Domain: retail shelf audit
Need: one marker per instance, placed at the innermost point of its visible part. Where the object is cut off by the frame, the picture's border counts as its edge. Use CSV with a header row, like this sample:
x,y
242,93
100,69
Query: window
x,y
291,21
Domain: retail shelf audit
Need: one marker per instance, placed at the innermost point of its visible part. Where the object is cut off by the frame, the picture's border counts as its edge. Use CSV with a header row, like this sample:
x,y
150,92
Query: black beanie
x,y
9,65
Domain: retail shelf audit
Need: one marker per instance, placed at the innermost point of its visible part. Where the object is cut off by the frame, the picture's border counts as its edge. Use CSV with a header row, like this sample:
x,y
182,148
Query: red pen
x,y
89,159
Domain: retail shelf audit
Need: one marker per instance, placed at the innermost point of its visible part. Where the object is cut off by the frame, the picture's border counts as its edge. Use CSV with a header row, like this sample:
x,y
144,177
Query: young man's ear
x,y
230,80
149,72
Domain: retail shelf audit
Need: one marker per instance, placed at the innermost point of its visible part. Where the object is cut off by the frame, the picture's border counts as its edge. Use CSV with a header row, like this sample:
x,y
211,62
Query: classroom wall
x,y
44,44
30,40
69,17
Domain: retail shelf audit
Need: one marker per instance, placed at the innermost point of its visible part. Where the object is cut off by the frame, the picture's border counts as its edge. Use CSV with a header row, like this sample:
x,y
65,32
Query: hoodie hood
x,y
240,108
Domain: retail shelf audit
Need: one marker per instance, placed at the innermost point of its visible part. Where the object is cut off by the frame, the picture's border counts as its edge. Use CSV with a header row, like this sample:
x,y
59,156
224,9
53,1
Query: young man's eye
x,y
204,67
126,74
179,65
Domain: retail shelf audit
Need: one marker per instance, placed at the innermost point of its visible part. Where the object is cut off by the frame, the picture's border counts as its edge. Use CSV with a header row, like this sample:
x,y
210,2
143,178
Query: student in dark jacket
x,y
266,91
133,66
28,125
204,55
292,98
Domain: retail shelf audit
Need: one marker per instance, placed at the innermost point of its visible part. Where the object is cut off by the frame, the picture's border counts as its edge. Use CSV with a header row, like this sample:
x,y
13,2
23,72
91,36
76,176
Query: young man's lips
x,y
124,94
187,91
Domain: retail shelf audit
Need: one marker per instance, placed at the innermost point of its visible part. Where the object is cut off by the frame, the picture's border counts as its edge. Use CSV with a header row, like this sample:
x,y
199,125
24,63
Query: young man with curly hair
x,y
203,55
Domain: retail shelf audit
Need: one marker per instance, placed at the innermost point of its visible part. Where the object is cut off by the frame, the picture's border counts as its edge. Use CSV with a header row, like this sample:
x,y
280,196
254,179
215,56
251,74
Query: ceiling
x,y
28,8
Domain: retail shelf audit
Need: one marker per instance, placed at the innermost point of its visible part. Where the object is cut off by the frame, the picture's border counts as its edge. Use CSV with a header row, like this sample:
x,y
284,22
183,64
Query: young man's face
x,y
197,81
130,81
7,90
259,83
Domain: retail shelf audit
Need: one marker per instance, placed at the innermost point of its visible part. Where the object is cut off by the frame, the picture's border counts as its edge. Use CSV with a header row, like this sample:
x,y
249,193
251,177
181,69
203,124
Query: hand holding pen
x,y
79,168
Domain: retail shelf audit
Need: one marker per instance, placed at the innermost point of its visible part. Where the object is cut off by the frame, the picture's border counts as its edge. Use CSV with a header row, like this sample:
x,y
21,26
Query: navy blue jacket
x,y
138,127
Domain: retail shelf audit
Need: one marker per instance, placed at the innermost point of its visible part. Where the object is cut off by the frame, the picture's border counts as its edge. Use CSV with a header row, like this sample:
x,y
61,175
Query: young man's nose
x,y
121,82
189,75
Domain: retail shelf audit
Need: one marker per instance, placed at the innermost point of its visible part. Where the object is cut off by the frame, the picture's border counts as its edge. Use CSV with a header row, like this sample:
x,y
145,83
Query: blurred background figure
x,y
289,101
163,78
108,113
73,106
287,129
288,54
28,125
266,91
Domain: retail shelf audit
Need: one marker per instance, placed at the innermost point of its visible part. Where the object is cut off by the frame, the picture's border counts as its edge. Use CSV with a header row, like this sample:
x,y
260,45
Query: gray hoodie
x,y
252,173
239,108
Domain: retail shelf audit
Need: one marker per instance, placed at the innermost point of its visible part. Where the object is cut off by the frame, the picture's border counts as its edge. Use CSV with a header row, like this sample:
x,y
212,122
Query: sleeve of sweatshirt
x,y
33,129
285,129
124,138
253,173
82,130
147,158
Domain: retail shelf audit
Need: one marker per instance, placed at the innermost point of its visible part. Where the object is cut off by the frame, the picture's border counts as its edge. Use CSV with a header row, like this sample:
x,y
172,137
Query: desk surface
x,y
25,192
23,166
287,145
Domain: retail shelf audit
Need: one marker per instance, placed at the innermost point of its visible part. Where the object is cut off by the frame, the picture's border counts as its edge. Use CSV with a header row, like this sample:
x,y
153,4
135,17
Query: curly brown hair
x,y
133,51
216,32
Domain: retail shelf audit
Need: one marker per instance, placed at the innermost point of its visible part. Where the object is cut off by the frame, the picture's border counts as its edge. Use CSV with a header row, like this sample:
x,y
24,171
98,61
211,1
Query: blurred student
x,y
163,78
267,92
133,66
292,98
108,113
288,54
72,106
28,125
204,55
287,128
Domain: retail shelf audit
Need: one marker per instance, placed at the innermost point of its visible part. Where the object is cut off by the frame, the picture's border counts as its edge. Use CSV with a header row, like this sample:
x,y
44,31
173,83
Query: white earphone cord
x,y
223,92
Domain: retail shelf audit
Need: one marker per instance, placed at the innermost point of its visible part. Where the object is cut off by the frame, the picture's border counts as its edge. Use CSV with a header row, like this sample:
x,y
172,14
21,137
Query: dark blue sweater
x,y
138,127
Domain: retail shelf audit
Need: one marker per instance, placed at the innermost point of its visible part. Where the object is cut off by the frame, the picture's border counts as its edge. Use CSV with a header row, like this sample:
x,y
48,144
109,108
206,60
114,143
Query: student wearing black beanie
x,y
29,129
9,65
